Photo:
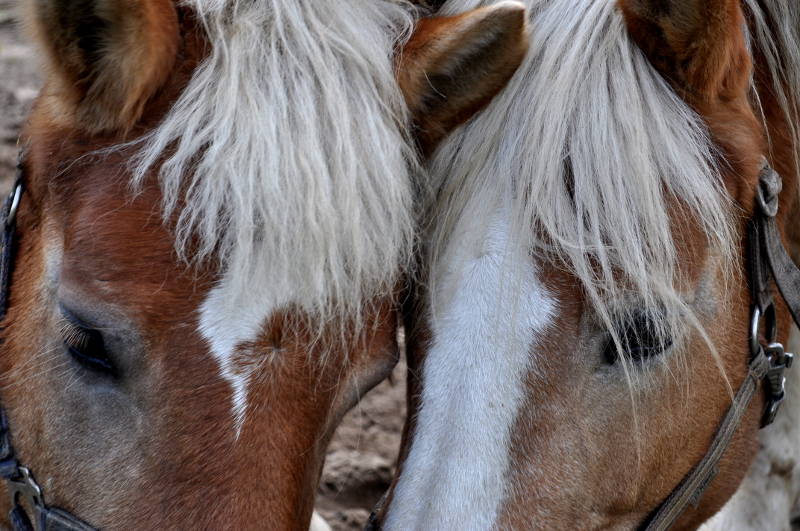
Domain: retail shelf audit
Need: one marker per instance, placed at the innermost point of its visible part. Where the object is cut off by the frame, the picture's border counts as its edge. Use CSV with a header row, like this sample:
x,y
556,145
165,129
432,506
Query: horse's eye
x,y
640,338
85,345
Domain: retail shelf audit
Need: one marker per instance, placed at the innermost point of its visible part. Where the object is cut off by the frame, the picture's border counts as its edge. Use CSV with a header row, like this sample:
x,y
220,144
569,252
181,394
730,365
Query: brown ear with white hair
x,y
106,58
452,67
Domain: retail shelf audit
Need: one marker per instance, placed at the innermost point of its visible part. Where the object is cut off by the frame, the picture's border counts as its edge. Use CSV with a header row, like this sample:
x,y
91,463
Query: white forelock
x,y
776,29
288,160
596,153
288,163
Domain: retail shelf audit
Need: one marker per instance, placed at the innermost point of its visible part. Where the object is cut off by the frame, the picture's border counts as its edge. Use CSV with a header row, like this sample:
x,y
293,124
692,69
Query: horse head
x,y
583,323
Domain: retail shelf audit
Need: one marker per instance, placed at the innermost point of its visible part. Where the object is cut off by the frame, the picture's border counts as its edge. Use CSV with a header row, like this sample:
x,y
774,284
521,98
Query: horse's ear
x,y
106,58
697,44
451,67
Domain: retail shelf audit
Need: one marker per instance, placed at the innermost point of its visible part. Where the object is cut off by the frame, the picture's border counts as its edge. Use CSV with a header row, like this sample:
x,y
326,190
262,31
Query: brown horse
x,y
218,206
584,320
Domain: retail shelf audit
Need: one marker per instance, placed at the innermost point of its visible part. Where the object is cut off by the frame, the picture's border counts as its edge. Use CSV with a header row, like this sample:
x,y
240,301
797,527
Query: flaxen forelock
x,y
289,152
776,34
591,151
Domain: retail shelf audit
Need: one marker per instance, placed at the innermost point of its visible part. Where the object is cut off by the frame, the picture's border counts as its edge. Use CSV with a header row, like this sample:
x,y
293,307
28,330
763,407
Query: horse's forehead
x,y
491,331
108,251
115,243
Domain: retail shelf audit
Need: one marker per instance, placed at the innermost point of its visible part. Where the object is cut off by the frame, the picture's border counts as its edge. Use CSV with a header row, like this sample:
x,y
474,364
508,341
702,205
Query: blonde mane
x,y
593,154
287,158
776,33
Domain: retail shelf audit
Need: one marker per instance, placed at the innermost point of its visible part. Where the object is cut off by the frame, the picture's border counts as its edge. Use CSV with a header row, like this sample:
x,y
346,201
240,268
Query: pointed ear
x,y
697,44
106,58
451,67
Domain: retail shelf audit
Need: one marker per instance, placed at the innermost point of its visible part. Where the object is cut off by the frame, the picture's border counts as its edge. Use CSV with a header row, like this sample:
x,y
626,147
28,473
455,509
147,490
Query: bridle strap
x,y
18,478
693,486
765,253
784,271
372,523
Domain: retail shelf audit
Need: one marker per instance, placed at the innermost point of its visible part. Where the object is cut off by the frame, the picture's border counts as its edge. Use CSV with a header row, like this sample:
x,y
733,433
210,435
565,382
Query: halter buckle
x,y
25,486
779,361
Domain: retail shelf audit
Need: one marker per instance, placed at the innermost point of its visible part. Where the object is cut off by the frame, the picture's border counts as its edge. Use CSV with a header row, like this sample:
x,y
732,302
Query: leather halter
x,y
18,478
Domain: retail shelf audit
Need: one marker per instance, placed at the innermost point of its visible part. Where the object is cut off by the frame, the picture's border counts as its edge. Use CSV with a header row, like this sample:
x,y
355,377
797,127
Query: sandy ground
x,y
362,456
363,452
19,85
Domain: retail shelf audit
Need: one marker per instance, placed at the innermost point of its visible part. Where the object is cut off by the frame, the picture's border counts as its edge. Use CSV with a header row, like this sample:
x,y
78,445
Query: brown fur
x,y
625,467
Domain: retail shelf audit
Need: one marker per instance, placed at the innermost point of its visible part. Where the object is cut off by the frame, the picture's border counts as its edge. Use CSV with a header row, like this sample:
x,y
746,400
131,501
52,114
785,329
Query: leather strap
x,y
55,519
372,523
785,273
691,489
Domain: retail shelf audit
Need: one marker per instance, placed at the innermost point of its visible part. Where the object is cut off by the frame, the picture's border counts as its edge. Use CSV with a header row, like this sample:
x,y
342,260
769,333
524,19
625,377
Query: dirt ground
x,y
362,456
19,85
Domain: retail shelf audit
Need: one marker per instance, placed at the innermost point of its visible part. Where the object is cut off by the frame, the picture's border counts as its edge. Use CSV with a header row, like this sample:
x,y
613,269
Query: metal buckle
x,y
27,487
779,361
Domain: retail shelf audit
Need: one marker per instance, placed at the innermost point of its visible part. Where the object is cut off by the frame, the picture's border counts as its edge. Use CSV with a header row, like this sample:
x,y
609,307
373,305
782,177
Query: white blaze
x,y
493,310
229,318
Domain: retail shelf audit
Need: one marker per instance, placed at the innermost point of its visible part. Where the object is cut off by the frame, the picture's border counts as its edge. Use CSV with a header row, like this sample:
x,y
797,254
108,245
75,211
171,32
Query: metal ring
x,y
12,212
771,324
754,322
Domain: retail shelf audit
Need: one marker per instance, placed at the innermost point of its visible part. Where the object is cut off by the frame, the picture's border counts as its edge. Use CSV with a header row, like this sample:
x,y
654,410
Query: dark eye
x,y
640,338
85,345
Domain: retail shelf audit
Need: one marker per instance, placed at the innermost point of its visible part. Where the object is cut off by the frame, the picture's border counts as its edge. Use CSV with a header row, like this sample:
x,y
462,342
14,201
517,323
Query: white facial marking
x,y
493,309
229,318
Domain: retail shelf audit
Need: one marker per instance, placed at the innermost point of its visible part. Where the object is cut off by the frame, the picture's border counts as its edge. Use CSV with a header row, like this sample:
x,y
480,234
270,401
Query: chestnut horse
x,y
583,321
218,206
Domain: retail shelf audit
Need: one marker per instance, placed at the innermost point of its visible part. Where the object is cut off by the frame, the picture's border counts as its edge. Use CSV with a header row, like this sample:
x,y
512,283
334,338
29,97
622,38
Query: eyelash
x,y
72,334
77,339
